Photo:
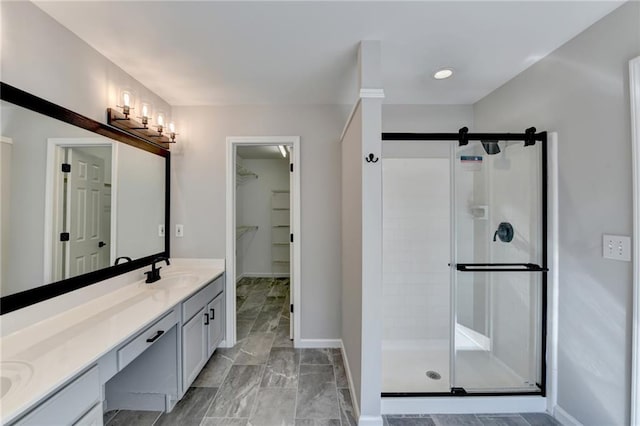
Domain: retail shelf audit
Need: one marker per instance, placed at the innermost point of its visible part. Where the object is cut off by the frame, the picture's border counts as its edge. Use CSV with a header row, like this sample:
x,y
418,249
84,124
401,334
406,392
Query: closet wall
x,y
253,208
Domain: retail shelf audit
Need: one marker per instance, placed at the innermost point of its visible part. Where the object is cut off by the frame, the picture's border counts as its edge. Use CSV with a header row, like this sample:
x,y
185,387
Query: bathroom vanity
x,y
139,346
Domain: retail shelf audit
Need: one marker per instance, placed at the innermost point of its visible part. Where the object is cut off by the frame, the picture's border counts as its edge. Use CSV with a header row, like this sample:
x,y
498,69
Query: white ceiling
x,y
304,52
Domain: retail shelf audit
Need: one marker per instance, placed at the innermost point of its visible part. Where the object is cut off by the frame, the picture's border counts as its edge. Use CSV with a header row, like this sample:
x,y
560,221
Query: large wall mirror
x,y
80,201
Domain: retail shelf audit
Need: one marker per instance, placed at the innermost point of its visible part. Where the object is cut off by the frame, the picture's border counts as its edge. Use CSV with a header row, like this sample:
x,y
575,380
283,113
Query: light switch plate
x,y
616,247
179,230
161,230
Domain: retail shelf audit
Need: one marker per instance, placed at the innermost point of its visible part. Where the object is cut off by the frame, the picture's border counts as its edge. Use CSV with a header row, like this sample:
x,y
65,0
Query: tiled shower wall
x,y
416,248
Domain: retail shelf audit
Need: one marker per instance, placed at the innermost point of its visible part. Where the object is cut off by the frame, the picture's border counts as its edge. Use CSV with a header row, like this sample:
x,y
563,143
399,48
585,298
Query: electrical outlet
x,y
161,230
616,247
179,231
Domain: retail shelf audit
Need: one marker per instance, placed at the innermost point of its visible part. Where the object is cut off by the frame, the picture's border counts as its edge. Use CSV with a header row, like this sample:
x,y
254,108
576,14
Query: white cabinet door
x,y
194,348
216,326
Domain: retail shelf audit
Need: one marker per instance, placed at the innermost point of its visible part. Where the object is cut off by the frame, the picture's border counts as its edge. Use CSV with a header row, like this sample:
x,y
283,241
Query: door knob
x,y
101,244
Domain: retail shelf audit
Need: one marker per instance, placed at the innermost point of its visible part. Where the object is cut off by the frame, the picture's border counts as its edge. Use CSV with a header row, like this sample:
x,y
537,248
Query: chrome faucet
x,y
154,274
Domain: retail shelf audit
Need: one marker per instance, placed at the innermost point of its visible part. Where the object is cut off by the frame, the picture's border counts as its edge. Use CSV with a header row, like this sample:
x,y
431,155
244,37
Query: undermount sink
x,y
13,376
176,280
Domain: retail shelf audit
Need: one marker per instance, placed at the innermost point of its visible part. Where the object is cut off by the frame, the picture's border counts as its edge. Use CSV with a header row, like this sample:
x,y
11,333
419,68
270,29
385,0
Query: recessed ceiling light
x,y
443,73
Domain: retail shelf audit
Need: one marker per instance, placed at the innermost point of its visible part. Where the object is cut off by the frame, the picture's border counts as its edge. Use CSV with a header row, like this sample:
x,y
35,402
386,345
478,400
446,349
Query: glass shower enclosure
x,y
498,266
500,263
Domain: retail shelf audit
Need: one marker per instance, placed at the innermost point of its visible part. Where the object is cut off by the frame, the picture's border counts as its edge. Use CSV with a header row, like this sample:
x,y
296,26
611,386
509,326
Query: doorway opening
x,y
263,238
79,192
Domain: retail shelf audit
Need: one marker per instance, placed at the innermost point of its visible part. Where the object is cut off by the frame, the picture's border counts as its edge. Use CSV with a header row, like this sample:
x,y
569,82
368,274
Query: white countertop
x,y
60,347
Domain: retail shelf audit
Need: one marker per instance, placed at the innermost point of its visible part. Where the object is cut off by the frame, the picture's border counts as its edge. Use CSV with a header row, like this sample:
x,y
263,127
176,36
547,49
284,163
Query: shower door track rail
x,y
390,136
528,137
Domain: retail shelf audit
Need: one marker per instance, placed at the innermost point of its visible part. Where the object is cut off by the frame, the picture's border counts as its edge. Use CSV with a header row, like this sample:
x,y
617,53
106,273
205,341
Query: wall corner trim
x,y
347,370
564,417
634,88
364,94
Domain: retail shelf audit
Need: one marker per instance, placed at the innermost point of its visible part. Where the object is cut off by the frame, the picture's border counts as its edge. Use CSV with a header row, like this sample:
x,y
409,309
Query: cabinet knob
x,y
213,314
206,320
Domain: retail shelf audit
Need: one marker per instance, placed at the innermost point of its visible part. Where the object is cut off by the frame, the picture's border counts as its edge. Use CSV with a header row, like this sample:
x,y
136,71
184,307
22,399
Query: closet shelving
x,y
280,231
243,174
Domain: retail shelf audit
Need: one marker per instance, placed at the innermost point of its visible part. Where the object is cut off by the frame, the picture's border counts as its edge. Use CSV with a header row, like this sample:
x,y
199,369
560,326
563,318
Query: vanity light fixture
x,y
146,112
282,151
126,104
172,132
123,121
443,73
160,125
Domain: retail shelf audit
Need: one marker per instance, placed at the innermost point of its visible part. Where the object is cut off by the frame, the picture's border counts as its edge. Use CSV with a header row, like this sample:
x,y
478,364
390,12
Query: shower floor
x,y
405,364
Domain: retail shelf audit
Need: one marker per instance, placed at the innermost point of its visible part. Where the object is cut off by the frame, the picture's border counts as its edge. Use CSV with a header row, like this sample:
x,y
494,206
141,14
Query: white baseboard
x,y
319,343
352,389
564,417
468,405
239,278
264,275
370,421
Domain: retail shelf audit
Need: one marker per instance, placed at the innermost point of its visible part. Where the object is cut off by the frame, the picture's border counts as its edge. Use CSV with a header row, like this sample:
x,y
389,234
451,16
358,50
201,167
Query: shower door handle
x,y
500,267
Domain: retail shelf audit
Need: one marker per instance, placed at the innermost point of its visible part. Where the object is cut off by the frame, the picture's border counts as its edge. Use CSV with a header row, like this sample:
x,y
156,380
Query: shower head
x,y
491,147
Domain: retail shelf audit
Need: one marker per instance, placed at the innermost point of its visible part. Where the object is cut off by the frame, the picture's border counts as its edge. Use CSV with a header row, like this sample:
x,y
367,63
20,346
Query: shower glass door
x,y
499,267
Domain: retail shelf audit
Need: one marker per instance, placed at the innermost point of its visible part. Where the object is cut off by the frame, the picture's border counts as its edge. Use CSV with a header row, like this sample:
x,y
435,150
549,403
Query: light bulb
x,y
172,127
145,110
126,99
160,120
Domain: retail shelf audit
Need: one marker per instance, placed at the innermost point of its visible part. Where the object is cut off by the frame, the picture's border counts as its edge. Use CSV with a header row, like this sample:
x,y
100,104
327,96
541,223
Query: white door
x,y
87,246
291,240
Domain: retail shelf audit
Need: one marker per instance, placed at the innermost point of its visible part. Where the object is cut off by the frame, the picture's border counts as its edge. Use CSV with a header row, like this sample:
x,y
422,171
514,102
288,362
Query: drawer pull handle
x,y
154,338
206,321
213,314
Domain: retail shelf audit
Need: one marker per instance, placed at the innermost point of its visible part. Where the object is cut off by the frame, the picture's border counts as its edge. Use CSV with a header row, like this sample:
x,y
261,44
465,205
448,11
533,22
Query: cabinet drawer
x,y
131,350
69,404
199,300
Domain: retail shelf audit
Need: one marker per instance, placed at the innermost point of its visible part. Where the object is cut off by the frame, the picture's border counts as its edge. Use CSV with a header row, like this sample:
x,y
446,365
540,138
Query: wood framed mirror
x,y
78,200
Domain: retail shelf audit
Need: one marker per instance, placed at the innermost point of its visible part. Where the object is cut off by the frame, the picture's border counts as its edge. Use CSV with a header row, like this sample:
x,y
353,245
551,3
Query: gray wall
x,y
140,202
426,118
352,249
198,193
581,91
44,58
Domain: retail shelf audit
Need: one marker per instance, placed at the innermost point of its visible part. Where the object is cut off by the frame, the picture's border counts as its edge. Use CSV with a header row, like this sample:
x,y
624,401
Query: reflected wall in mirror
x,y
58,222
